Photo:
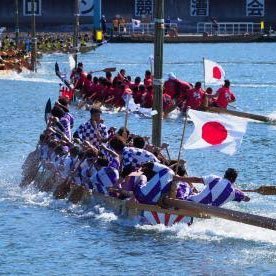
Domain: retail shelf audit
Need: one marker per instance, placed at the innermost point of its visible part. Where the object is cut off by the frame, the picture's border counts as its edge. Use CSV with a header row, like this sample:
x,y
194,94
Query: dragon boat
x,y
142,214
218,110
175,211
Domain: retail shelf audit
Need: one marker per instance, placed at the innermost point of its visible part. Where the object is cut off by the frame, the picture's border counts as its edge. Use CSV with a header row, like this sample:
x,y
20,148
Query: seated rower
x,y
218,191
195,97
136,157
153,181
105,177
224,95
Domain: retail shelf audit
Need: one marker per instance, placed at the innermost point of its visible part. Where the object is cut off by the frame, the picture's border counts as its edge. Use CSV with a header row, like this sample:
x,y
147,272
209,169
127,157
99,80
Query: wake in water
x,y
215,230
207,230
39,77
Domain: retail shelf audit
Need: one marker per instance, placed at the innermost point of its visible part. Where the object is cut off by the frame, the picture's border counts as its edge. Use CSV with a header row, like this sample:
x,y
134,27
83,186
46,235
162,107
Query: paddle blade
x,y
71,62
111,69
56,68
48,108
267,190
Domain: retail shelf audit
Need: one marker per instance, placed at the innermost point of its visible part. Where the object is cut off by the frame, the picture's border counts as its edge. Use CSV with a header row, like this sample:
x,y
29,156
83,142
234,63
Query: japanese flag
x,y
136,23
214,74
218,131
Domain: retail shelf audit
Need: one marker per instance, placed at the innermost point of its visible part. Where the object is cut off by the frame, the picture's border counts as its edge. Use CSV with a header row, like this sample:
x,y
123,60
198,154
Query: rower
x,y
224,95
68,119
195,97
155,181
171,85
218,190
105,177
148,80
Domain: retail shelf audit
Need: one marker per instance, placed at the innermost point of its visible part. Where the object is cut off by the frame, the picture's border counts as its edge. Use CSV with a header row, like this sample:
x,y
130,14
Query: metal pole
x,y
16,24
34,44
76,31
97,14
158,72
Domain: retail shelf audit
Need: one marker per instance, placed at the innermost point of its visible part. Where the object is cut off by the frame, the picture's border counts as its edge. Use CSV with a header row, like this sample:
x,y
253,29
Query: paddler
x,y
195,97
153,181
218,190
171,86
148,80
131,157
224,95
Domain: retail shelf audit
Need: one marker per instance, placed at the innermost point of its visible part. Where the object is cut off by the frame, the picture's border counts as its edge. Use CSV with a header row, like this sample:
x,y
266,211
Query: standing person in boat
x,y
218,190
148,80
171,85
224,95
93,131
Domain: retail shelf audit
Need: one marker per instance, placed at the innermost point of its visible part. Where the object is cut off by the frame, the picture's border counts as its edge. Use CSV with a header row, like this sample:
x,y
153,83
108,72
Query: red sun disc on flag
x,y
214,133
216,73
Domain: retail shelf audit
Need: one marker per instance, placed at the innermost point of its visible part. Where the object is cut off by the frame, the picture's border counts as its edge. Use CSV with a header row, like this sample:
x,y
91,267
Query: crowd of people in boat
x,y
47,42
117,163
109,90
14,59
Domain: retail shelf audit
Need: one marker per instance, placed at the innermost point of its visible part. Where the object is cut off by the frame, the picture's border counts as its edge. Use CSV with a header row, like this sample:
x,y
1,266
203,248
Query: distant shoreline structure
x,y
195,38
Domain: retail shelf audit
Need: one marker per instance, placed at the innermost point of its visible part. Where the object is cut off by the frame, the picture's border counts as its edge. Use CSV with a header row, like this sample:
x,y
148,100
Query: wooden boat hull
x,y
240,114
142,214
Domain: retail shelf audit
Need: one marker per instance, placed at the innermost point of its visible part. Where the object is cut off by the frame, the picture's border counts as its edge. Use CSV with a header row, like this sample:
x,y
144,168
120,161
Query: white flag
x,y
214,74
218,131
136,23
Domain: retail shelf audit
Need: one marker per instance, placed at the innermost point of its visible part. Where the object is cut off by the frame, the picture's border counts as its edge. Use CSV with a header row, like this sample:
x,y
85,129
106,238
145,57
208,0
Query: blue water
x,y
42,236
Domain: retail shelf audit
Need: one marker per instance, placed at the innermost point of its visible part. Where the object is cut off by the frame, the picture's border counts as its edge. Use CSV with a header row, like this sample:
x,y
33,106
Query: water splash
x,y
215,230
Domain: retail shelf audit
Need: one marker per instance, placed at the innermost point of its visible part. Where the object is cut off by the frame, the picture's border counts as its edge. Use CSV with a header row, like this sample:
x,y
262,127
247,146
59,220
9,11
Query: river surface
x,y
42,236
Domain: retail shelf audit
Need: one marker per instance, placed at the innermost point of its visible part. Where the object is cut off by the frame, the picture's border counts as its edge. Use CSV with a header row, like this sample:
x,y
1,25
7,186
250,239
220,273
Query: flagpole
x,y
204,84
34,39
182,139
76,31
127,111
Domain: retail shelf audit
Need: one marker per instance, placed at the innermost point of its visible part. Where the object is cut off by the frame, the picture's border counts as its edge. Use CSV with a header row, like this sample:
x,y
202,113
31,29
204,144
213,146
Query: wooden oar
x,y
182,139
259,221
131,204
64,188
239,114
263,190
108,69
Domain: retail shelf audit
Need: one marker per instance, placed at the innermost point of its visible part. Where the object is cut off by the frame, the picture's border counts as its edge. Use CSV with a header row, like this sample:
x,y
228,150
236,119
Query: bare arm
x,y
109,151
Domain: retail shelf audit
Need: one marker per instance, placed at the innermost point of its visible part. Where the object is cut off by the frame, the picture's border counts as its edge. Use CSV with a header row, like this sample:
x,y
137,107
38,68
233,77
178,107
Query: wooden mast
x,y
16,24
34,42
158,72
76,31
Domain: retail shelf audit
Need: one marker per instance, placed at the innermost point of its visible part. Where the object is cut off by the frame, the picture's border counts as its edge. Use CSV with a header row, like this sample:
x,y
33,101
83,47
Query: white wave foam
x,y
272,115
209,229
216,230
28,77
